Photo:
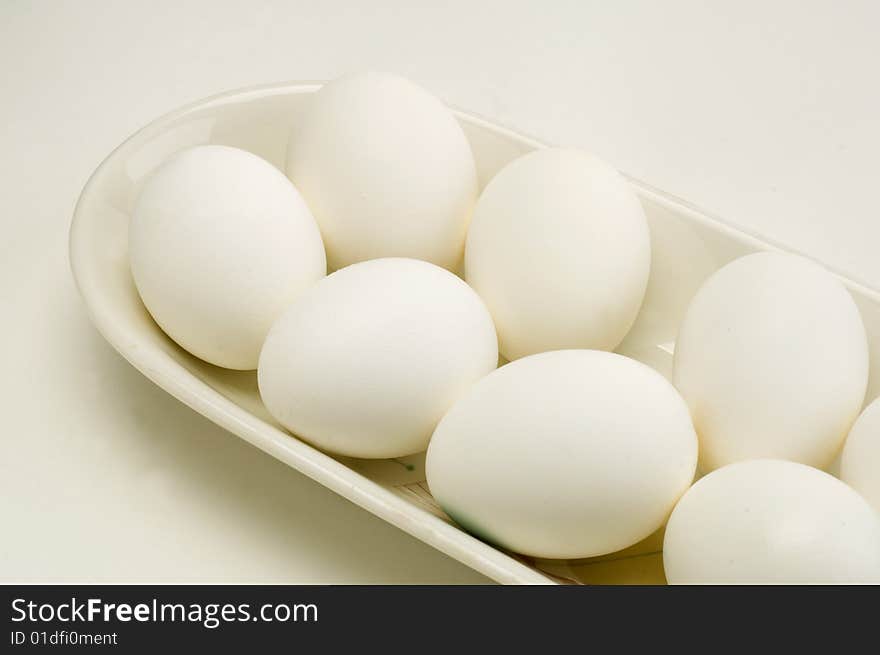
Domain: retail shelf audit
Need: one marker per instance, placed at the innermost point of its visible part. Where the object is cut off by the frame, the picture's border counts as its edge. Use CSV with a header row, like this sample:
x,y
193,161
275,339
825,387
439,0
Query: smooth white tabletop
x,y
767,114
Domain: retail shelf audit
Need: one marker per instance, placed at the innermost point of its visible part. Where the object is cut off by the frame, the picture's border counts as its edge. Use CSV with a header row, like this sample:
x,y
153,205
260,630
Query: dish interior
x,y
687,246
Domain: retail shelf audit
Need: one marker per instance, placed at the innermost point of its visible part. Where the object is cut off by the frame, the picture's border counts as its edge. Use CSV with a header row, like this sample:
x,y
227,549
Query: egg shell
x,y
369,359
860,463
771,521
559,248
564,454
220,244
386,169
772,359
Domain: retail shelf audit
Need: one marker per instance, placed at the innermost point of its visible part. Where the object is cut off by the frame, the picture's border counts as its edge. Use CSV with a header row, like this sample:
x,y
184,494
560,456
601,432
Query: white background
x,y
766,113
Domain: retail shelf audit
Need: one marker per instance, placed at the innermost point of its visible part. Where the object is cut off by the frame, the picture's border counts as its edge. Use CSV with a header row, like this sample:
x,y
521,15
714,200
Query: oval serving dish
x,y
688,245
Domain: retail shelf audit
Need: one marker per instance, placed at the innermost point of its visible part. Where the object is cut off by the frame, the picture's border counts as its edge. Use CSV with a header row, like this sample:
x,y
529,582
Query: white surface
x,y
762,114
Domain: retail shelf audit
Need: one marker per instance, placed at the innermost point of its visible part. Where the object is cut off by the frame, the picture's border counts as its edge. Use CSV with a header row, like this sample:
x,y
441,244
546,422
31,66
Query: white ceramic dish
x,y
687,244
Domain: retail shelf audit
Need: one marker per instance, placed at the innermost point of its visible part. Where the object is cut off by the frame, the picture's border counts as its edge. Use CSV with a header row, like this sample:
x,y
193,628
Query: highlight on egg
x,y
559,248
564,454
367,361
220,244
386,169
772,359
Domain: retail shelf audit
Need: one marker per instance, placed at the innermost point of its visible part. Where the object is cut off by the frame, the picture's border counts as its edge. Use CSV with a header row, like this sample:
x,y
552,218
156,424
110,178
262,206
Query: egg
x,y
370,358
860,463
565,454
559,248
772,359
771,521
386,169
220,243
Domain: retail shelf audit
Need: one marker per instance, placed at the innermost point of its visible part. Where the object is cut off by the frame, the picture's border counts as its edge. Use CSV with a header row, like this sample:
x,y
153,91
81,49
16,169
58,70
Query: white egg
x,y
771,521
772,359
220,244
860,464
559,249
386,169
369,359
564,454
